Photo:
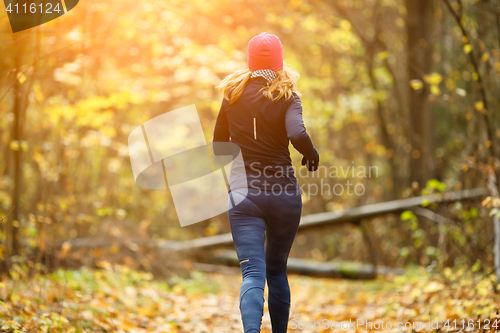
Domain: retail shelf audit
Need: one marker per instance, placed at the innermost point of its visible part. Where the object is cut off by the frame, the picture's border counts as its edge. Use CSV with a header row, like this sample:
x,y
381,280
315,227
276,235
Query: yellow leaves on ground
x,y
433,287
117,299
414,297
114,299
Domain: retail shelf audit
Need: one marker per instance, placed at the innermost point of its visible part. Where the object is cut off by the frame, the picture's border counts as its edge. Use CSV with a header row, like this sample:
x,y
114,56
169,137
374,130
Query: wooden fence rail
x,y
351,215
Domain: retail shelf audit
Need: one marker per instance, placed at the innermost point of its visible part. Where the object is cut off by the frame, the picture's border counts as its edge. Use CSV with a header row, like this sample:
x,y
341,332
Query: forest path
x,y
331,305
118,299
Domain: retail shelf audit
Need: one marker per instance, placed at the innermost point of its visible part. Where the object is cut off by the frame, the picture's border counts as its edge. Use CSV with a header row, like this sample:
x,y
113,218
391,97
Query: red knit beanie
x,y
265,51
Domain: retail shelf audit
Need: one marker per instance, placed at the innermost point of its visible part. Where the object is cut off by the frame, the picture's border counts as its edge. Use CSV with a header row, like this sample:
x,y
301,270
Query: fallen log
x,y
341,270
210,268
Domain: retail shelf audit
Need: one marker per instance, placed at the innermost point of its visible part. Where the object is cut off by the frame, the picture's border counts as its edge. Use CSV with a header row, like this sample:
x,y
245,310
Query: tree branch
x,y
7,214
480,86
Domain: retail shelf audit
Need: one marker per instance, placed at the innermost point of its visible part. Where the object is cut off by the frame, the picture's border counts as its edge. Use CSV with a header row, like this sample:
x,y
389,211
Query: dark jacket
x,y
262,129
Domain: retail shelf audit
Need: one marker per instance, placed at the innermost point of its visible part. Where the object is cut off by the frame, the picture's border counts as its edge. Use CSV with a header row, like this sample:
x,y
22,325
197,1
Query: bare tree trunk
x,y
385,139
496,248
419,25
20,105
494,177
496,7
495,192
16,154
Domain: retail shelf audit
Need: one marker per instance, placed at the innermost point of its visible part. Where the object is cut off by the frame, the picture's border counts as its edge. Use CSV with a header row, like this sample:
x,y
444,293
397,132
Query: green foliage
x,y
411,219
434,185
195,284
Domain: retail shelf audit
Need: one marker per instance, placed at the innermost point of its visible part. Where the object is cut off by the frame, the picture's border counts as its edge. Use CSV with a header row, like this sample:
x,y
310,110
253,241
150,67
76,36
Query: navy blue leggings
x,y
274,216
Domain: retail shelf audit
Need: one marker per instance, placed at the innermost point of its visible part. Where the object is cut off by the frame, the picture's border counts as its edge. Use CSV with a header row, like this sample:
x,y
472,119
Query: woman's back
x,y
262,128
257,126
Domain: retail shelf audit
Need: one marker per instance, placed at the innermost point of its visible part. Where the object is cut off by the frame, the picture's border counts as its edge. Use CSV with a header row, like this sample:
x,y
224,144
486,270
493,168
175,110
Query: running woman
x,y
261,113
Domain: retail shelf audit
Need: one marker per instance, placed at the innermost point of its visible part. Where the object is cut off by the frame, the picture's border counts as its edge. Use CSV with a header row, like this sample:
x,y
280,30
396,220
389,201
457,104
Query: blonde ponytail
x,y
285,84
